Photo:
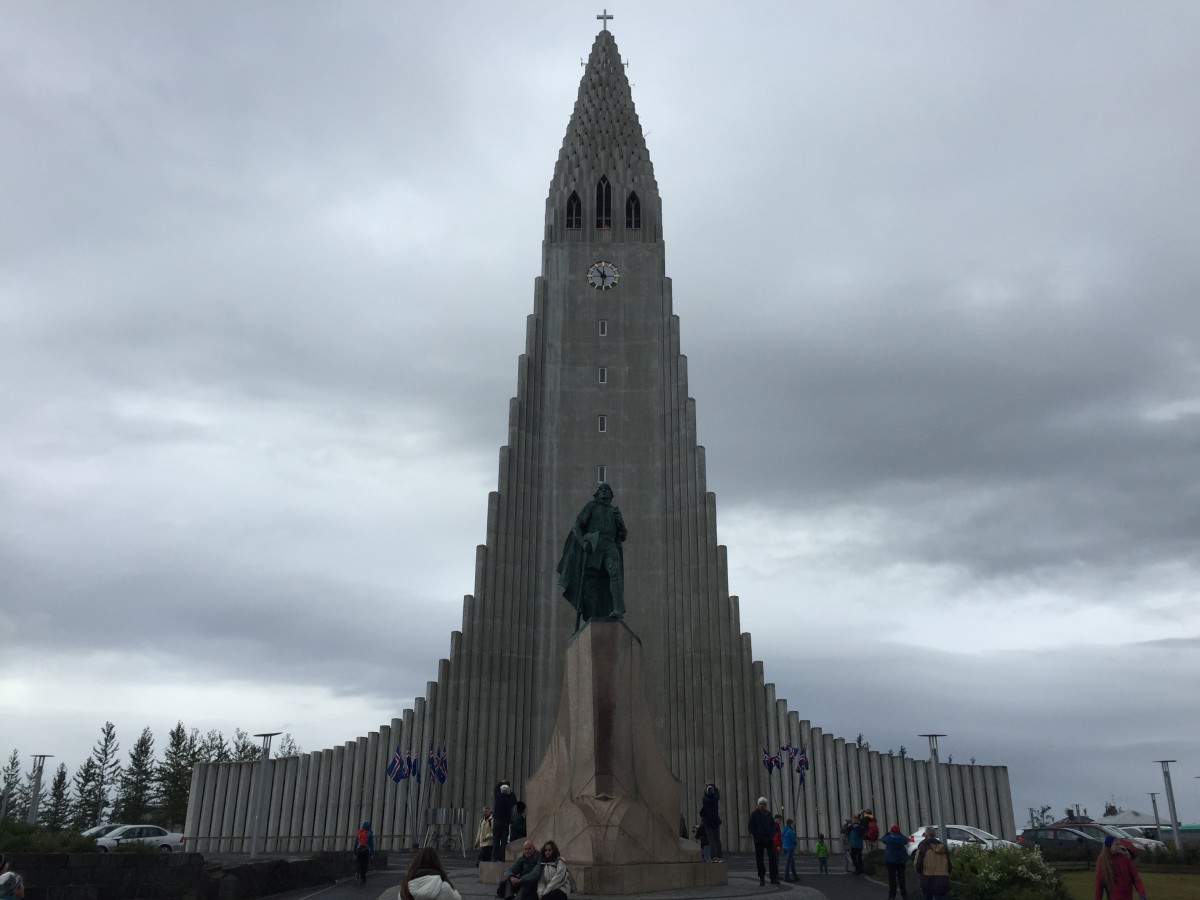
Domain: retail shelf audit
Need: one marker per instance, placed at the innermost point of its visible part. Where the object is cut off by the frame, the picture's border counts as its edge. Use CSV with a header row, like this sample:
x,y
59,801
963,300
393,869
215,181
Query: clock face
x,y
603,275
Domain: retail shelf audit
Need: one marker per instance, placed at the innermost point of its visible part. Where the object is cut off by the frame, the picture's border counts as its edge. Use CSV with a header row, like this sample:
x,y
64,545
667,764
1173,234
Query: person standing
x,y
710,818
789,851
934,866
1116,874
895,857
854,840
364,846
822,852
762,829
483,836
503,801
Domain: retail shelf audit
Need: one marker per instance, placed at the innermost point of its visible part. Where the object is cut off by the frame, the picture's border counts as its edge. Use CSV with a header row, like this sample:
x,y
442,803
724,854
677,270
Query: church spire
x,y
604,141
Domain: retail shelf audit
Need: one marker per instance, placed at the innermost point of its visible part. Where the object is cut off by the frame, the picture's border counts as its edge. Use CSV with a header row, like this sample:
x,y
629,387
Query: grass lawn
x,y
1159,885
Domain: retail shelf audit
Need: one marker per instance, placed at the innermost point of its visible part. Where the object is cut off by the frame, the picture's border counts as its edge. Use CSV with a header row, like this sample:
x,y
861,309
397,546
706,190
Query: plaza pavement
x,y
743,883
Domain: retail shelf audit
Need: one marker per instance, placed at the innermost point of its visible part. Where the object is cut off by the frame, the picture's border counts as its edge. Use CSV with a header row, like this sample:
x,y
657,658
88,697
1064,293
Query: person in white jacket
x,y
426,879
555,881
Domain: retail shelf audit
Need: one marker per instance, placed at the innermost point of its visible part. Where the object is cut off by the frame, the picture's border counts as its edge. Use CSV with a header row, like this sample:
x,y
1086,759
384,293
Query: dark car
x,y
1061,841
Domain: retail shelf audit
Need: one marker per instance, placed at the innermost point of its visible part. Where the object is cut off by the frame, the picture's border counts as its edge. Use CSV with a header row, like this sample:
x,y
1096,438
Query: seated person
x,y
555,881
521,878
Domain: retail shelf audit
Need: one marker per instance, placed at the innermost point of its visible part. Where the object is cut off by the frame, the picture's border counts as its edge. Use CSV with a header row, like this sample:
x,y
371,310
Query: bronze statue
x,y
591,571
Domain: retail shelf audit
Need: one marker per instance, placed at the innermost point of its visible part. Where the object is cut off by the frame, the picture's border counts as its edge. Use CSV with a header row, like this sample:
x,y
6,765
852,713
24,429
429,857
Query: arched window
x,y
633,211
574,211
603,203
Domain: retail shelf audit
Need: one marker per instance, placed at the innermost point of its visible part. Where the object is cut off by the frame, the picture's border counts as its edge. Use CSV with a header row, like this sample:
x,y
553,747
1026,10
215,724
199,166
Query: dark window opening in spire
x,y
574,211
633,211
603,203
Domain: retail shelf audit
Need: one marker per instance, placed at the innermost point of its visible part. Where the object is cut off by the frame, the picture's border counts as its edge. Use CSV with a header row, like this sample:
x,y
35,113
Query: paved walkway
x,y
743,883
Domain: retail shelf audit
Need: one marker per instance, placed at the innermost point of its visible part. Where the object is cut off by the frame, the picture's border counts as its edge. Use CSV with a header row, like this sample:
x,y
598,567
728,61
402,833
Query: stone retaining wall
x,y
175,876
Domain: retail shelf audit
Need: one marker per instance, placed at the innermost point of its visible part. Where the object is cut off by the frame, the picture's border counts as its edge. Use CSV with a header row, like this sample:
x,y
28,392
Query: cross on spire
x,y
604,17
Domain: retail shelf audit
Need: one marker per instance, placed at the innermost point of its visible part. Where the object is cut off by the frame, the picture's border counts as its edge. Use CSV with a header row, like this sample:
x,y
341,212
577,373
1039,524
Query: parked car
x,y
100,830
958,835
167,841
1061,840
1136,844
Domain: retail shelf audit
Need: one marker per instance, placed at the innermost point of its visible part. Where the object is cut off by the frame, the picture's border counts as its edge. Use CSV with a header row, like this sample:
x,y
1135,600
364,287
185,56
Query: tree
x,y
903,751
108,768
287,747
87,805
865,745
1111,808
57,812
11,777
212,748
244,749
136,793
173,775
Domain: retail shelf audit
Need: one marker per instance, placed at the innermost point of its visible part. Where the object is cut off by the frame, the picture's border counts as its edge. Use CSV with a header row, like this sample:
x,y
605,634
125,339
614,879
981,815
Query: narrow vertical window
x,y
602,423
602,375
633,211
603,203
574,211
603,327
601,474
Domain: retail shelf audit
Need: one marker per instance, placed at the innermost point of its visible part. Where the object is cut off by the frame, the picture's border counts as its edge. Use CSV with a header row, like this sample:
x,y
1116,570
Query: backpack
x,y
872,832
362,839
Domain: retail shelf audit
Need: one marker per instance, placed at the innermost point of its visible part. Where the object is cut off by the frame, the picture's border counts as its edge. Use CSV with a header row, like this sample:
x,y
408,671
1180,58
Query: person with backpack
x,y
934,866
364,846
503,802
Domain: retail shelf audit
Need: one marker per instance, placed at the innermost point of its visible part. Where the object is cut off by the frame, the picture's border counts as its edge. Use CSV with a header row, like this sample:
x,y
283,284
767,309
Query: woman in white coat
x,y
555,881
426,879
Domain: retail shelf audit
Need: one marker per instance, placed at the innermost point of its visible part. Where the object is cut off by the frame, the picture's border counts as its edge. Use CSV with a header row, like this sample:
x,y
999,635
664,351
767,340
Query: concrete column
x,y
312,794
274,806
928,817
1006,825
994,816
326,790
287,796
853,777
226,802
195,807
333,827
889,810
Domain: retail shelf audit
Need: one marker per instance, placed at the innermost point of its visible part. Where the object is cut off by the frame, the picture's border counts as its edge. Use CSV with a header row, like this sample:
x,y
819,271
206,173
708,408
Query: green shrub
x,y
1006,873
21,837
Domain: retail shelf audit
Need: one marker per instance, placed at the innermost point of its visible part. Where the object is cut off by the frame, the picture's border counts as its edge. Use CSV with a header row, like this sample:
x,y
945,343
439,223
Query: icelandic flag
x,y
790,751
771,762
432,763
443,765
412,765
802,765
396,769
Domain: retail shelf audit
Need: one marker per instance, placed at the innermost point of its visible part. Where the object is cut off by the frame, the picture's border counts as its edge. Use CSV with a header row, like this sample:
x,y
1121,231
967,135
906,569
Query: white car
x,y
99,831
166,841
1100,832
958,835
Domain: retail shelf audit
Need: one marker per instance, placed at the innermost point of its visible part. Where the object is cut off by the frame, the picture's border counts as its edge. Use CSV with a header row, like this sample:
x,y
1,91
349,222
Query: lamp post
x,y
259,815
1157,823
39,762
1166,764
938,815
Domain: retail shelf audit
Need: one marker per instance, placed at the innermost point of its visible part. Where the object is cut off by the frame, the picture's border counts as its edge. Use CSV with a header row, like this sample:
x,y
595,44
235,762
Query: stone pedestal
x,y
604,792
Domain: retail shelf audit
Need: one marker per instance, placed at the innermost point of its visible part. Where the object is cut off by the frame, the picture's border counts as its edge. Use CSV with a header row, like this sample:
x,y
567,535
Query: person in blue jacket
x,y
854,840
895,857
789,851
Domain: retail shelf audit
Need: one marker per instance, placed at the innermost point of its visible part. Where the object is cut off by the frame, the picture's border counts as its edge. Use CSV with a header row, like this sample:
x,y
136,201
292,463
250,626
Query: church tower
x,y
601,397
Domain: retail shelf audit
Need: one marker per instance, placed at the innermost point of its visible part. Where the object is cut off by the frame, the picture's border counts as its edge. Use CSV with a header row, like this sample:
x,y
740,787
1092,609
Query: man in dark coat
x,y
503,801
710,818
591,571
762,828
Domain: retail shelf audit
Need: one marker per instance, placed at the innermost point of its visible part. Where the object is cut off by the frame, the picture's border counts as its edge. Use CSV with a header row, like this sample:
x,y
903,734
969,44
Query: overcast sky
x,y
264,274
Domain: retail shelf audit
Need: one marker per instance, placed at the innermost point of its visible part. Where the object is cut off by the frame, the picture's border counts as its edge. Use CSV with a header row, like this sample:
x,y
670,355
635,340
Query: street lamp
x,y
39,761
1157,823
259,815
938,815
1166,764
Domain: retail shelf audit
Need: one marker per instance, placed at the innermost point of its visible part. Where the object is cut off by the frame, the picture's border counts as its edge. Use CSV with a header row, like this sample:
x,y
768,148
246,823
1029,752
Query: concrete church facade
x,y
601,396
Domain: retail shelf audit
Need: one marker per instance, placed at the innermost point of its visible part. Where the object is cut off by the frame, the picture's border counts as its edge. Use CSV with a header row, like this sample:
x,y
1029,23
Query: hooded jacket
x,y
934,866
432,887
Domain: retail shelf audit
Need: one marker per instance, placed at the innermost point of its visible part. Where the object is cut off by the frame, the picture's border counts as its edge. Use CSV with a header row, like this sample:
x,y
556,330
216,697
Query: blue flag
x,y
443,765
412,766
396,769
